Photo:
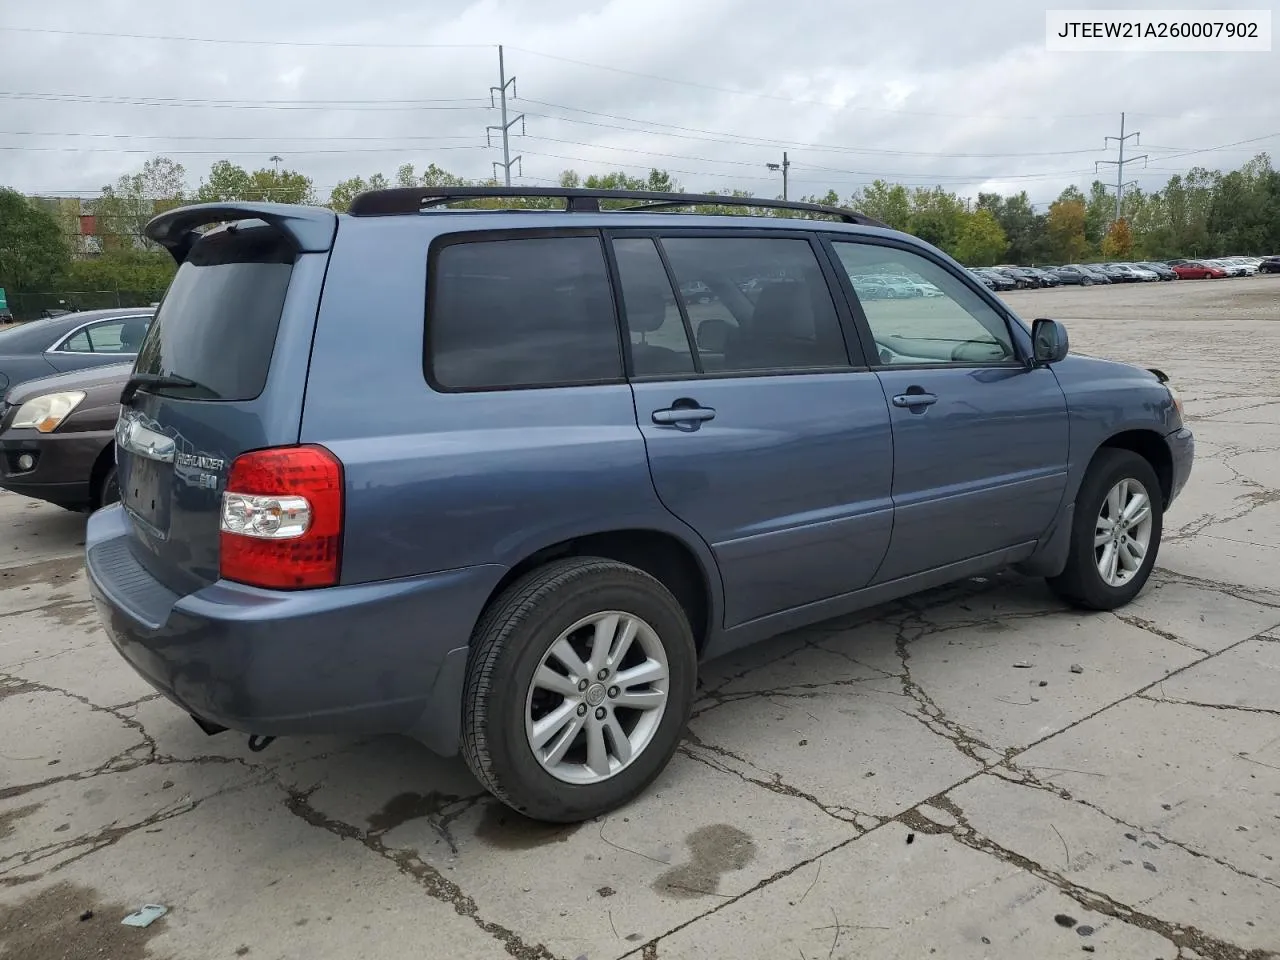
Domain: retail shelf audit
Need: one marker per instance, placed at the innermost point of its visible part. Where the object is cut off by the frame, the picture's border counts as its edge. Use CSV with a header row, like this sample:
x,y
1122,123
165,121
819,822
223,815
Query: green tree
x,y
1065,230
226,182
34,254
981,242
936,217
126,269
344,192
889,203
432,176
124,209
1099,211
1118,243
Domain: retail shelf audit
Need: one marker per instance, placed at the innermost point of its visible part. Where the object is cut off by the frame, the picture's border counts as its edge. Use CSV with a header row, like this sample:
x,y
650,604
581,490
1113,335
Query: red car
x,y
1195,270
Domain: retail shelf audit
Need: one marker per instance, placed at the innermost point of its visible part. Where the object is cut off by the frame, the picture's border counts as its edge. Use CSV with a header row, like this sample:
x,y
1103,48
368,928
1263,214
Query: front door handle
x,y
679,415
914,400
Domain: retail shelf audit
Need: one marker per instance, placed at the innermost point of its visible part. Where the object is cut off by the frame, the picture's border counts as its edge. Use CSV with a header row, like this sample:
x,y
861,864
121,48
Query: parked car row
x,y
60,383
1008,277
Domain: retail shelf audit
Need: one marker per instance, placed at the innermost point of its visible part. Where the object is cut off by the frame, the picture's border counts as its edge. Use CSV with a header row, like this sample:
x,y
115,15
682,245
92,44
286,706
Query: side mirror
x,y
1049,342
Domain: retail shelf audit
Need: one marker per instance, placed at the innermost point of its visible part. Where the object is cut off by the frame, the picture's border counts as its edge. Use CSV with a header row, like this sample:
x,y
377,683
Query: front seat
x,y
783,332
132,333
646,313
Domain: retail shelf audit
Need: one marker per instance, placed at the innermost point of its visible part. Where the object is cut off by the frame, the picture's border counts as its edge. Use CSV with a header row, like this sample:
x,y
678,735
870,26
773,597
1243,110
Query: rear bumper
x,y
366,658
63,468
1182,446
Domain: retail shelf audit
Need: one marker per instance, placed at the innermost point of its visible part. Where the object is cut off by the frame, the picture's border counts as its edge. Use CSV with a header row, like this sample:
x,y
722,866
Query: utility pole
x,y
1119,164
501,91
784,166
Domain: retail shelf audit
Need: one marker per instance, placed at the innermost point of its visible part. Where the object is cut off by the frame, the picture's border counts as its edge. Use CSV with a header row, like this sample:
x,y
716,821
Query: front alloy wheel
x,y
1122,534
1115,533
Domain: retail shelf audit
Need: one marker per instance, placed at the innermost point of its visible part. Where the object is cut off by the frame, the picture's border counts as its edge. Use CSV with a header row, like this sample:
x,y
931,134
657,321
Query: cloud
x,y
916,92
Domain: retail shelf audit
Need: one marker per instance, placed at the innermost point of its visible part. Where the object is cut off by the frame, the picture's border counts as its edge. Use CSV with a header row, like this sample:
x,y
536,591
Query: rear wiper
x,y
152,380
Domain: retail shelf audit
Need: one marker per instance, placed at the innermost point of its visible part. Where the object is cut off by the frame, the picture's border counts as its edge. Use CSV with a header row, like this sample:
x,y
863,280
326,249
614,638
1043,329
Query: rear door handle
x,y
915,399
678,415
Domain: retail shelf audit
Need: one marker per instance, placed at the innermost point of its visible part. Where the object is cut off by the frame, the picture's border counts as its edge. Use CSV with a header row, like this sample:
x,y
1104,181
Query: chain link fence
x,y
32,306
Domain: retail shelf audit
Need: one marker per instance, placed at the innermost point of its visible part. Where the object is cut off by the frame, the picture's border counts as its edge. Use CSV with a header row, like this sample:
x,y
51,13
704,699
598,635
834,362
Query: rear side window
x,y
535,312
110,336
218,322
756,304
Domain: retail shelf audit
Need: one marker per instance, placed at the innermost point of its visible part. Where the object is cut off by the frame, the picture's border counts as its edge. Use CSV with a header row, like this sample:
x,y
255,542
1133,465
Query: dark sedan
x,y
1161,270
1269,265
1002,281
57,437
1074,273
71,342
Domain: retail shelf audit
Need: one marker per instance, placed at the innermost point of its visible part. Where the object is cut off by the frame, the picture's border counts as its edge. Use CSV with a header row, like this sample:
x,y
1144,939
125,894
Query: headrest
x,y
646,308
132,333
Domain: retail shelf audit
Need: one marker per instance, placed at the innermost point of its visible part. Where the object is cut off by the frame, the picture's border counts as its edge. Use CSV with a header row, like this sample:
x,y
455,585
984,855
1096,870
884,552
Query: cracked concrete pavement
x,y
885,785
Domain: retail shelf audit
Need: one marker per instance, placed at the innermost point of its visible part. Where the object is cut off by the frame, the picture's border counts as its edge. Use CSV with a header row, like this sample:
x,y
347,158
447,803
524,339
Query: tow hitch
x,y
259,743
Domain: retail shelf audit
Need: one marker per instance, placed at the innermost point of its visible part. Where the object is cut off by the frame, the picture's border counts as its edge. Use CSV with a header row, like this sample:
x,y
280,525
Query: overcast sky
x,y
853,90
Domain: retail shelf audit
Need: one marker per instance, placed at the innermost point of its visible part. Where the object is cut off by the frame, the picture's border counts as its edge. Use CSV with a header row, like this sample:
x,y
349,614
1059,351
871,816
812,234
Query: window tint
x,y
123,335
659,341
218,321
920,313
521,313
756,304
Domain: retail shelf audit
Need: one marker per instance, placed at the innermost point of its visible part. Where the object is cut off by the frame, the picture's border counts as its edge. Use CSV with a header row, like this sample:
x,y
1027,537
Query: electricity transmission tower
x,y
1119,164
785,167
506,125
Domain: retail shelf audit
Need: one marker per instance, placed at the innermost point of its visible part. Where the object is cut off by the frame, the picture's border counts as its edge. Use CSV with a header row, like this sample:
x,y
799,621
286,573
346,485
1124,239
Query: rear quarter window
x,y
218,321
520,313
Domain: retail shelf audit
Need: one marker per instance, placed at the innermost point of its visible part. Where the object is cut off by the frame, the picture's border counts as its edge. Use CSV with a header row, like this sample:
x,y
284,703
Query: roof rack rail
x,y
406,200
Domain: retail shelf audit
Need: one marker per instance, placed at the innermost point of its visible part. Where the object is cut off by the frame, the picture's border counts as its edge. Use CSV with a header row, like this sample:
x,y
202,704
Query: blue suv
x,y
491,478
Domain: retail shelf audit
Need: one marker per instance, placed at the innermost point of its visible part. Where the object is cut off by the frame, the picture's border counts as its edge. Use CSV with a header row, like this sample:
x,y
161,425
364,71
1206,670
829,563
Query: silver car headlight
x,y
45,413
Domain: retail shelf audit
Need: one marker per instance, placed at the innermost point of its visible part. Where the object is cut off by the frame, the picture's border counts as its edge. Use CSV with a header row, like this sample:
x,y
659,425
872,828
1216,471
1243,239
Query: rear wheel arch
x,y
1151,446
98,475
662,555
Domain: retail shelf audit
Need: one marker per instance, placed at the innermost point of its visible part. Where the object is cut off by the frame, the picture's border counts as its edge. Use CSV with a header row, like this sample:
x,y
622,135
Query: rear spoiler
x,y
311,228
1160,374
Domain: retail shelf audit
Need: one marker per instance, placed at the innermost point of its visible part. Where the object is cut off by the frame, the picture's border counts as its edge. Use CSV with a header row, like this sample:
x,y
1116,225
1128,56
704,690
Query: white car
x,y
1143,273
922,288
1250,267
1227,266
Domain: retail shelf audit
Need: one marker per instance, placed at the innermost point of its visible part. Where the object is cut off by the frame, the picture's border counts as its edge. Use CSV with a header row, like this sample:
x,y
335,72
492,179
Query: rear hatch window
x,y
226,301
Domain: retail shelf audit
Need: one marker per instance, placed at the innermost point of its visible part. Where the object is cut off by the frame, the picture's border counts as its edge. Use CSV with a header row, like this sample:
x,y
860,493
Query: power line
x,y
240,105
795,100
198,136
220,153
254,43
537,53
766,141
98,97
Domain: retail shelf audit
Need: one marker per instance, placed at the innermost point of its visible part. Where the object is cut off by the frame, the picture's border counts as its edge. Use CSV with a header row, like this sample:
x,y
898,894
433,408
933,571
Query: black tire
x,y
1081,583
1086,282
508,646
109,491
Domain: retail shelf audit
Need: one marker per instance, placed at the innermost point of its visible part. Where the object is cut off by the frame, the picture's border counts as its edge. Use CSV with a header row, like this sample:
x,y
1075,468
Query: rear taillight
x,y
281,522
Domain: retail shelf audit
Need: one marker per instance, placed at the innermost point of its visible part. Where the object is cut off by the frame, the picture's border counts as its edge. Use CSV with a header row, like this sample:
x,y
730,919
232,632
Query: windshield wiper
x,y
153,380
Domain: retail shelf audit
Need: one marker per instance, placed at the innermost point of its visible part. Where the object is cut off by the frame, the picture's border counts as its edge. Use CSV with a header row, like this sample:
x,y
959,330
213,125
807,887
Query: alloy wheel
x,y
597,697
1122,532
